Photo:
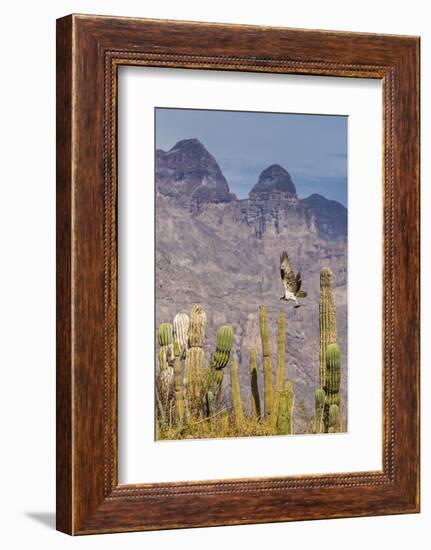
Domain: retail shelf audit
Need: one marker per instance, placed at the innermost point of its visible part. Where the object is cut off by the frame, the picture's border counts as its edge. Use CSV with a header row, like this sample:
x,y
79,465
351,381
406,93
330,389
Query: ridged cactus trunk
x,y
281,361
220,357
334,419
224,423
319,406
219,360
236,394
285,409
328,323
181,332
268,392
179,398
209,404
166,368
166,340
195,374
255,398
332,381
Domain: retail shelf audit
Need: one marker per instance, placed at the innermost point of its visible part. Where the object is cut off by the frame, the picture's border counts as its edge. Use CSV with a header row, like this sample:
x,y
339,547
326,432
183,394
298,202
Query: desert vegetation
x,y
189,401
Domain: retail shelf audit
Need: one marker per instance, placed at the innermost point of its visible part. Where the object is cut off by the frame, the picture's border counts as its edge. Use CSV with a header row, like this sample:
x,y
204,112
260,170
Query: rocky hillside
x,y
224,253
330,216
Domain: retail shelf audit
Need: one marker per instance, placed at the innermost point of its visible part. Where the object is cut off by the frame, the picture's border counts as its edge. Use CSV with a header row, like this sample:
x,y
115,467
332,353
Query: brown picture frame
x,y
89,51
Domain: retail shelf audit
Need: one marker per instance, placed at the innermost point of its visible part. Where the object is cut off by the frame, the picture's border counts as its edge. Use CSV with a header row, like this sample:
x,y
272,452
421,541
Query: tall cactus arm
x,y
179,400
327,319
267,364
254,385
181,330
236,394
281,360
319,405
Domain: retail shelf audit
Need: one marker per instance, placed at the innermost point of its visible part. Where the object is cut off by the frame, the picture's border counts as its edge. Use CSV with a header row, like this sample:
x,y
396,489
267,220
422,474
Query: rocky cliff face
x,y
330,216
224,253
191,174
274,183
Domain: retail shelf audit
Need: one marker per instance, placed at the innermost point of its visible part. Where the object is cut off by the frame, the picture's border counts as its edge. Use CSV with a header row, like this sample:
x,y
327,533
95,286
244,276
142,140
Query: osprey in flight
x,y
291,282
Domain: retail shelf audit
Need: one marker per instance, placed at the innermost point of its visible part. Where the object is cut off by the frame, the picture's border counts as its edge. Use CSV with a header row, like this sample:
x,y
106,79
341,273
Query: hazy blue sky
x,y
312,148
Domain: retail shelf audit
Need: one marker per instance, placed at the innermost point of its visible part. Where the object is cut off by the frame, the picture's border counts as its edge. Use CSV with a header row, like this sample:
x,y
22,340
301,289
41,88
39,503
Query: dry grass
x,y
216,427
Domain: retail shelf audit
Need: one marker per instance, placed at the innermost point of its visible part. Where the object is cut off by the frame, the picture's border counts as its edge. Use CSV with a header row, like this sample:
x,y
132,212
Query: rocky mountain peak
x,y
190,173
189,148
330,216
274,182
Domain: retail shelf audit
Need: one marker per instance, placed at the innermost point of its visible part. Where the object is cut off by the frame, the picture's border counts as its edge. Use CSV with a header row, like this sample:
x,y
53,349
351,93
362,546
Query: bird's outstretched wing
x,y
287,275
291,282
285,267
298,281
299,293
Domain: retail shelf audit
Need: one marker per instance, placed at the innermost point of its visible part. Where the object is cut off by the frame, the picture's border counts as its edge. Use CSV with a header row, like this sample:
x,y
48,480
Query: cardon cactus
x,y
166,381
281,359
181,332
327,319
219,359
179,400
332,381
195,380
285,409
224,423
334,419
267,364
213,381
255,398
319,405
197,325
165,341
166,363
166,334
332,376
236,394
209,404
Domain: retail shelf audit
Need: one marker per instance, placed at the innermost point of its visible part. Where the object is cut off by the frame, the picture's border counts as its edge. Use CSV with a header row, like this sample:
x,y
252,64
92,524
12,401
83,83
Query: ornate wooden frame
x,y
89,51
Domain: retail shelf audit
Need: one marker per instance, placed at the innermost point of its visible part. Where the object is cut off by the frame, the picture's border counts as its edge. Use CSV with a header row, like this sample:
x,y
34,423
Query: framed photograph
x,y
237,274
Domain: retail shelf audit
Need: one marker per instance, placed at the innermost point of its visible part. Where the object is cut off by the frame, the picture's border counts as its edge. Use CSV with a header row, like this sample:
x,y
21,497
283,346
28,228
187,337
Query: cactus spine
x,y
284,418
328,323
255,398
236,394
319,402
267,364
281,359
181,330
195,361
